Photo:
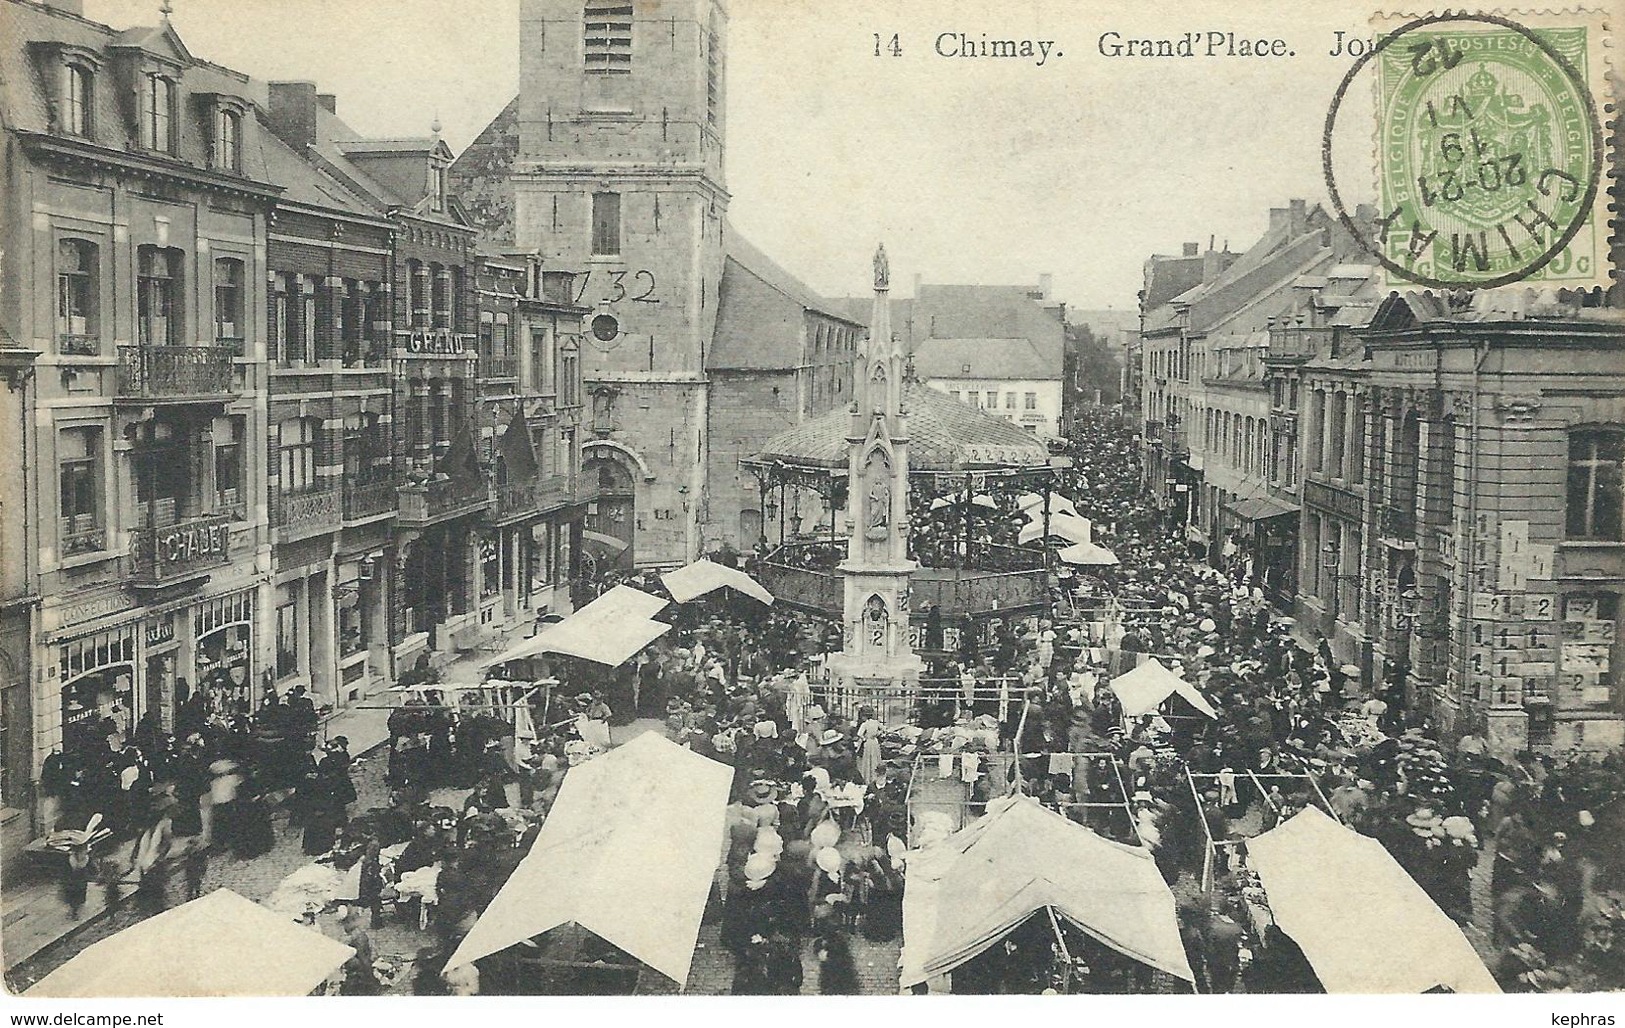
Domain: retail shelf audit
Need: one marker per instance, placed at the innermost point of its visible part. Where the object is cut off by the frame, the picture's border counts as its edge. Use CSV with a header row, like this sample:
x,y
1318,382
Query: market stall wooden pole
x,y
1066,953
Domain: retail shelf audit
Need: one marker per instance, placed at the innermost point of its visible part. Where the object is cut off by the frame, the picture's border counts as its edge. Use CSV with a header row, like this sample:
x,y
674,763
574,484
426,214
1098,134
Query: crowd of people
x,y
819,825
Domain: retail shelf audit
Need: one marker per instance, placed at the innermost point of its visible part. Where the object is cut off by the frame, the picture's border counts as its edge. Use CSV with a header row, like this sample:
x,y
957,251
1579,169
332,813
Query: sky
x,y
970,169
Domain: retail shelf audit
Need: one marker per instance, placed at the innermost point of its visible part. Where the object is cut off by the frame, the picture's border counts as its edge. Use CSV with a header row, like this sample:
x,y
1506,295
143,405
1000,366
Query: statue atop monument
x,y
882,269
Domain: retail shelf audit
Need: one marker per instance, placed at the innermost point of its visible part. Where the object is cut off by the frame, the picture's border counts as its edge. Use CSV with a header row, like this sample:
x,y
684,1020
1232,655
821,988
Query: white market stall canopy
x,y
1363,923
609,630
628,852
965,893
1033,505
958,499
1088,555
1147,687
704,576
1063,526
217,945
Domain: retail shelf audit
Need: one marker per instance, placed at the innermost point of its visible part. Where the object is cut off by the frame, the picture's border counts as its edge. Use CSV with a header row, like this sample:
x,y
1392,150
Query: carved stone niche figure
x,y
877,522
875,623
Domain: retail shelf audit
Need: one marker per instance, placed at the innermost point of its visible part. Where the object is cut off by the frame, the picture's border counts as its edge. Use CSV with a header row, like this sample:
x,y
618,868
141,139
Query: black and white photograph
x,y
759,498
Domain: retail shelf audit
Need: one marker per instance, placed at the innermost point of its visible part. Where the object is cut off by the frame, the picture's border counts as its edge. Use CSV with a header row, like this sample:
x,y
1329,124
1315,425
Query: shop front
x,y
358,606
223,652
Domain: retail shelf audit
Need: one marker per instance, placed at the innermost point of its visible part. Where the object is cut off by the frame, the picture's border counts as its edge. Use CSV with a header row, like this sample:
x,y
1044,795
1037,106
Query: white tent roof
x,y
609,630
1064,526
627,852
967,892
1143,690
1033,505
1088,555
1363,923
979,500
704,576
217,945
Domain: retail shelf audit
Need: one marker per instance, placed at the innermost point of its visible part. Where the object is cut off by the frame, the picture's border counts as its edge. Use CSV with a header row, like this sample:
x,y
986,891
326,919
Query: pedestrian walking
x,y
195,865
76,879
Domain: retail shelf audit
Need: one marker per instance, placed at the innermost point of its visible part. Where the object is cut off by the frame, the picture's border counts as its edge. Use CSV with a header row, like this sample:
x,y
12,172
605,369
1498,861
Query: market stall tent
x,y
965,893
1147,687
609,630
628,852
217,945
1032,504
1088,555
1061,526
705,576
1363,923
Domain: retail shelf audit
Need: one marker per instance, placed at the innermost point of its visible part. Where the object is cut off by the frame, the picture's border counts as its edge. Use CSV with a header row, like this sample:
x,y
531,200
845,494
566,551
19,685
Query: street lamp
x,y
1331,558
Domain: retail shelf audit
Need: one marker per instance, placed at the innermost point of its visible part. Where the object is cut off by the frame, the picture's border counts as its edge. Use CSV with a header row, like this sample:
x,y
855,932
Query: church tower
x,y
619,189
876,652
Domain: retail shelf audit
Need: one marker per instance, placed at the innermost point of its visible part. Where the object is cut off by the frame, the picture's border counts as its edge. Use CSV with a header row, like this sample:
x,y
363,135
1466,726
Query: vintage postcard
x,y
559,498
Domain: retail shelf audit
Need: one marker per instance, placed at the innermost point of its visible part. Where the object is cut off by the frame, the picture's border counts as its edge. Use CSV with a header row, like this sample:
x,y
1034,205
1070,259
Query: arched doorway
x,y
611,522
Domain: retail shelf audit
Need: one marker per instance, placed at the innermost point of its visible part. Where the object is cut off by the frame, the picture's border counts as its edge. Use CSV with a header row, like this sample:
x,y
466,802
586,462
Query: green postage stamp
x,y
1491,151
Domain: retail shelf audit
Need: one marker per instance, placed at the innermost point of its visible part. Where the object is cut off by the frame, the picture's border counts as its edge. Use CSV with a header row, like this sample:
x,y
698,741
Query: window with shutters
x,y
607,38
606,224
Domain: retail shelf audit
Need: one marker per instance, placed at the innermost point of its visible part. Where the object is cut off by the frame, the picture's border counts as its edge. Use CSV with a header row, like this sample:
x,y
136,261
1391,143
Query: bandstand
x,y
959,519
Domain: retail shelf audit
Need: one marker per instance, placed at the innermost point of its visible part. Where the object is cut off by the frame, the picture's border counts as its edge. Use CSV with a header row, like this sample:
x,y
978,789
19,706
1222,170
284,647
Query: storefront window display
x,y
98,690
224,644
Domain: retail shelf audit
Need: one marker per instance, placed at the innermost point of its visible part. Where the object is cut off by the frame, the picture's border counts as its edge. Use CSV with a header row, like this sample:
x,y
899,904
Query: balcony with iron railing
x,y
75,344
498,367
81,534
307,512
424,503
174,373
162,555
370,499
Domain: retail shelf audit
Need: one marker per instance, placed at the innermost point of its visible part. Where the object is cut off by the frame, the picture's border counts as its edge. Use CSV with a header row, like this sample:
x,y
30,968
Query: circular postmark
x,y
1489,150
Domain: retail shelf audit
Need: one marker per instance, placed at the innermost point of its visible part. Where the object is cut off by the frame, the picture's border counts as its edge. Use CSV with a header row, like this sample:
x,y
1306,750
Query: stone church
x,y
609,170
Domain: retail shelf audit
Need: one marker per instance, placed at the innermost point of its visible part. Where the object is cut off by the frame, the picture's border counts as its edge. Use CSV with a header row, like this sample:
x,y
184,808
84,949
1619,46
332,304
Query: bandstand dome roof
x,y
944,435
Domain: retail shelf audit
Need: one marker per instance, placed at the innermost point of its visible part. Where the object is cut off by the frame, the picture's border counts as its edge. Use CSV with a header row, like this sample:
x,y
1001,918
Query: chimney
x,y
74,7
293,113
1300,217
1279,218
1046,284
1193,249
1211,266
329,101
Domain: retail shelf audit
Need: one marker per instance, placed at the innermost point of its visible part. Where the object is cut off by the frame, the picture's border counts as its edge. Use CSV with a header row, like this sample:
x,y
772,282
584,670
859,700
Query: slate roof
x,y
750,336
1000,359
943,435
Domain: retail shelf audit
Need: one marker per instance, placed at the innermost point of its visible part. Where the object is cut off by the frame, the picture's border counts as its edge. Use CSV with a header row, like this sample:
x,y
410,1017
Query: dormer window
x,y
227,152
158,114
78,92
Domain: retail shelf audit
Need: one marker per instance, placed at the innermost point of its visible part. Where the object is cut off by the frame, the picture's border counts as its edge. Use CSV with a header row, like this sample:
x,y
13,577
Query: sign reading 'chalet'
x,y
194,542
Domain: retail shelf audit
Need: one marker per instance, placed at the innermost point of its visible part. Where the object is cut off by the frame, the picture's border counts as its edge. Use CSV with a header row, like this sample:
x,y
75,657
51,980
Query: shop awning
x,y
217,945
965,893
605,543
628,852
1088,555
1061,526
1363,923
704,576
1147,687
609,630
1260,508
